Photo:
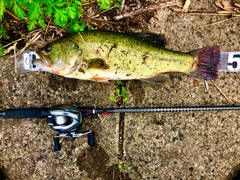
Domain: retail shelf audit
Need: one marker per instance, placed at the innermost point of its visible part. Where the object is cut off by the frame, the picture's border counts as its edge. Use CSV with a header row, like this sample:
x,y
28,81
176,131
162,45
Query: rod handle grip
x,y
26,113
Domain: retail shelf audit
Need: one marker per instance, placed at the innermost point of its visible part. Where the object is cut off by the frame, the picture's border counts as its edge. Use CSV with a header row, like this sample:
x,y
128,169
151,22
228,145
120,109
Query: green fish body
x,y
103,56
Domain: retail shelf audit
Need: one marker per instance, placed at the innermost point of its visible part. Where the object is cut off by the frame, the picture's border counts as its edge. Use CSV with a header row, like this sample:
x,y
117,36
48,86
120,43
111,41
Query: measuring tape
x,y
229,62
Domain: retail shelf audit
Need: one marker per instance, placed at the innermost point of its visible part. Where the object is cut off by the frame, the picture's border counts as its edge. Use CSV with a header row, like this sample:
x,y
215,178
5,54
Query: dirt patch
x,y
58,82
3,174
94,161
137,91
1,85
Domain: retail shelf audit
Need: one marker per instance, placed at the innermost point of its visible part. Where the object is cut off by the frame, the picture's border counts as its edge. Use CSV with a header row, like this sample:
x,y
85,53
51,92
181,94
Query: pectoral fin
x,y
97,63
157,79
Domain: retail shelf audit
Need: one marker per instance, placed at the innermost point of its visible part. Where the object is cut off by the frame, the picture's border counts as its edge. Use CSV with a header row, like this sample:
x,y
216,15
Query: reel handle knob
x,y
57,146
91,141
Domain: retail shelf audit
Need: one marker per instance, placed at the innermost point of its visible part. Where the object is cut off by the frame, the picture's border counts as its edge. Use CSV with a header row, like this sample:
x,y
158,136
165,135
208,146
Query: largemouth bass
x,y
103,56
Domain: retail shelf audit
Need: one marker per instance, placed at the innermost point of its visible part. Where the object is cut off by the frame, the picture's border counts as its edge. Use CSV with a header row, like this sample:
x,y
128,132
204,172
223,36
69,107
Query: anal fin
x,y
157,79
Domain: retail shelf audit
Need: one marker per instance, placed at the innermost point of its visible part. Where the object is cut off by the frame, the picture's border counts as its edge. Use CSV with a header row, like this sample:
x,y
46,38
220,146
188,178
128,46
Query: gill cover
x,y
61,57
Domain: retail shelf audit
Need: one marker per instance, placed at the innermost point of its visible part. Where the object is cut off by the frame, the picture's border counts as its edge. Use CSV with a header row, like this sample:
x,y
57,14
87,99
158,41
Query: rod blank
x,y
165,109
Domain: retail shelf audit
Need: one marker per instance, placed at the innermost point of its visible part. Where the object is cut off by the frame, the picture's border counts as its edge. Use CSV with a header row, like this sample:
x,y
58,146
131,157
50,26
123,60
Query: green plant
x,y
65,13
1,50
120,93
120,166
107,4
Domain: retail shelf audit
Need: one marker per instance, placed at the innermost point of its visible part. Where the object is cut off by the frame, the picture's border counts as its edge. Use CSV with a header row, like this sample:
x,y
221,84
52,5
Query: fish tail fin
x,y
208,60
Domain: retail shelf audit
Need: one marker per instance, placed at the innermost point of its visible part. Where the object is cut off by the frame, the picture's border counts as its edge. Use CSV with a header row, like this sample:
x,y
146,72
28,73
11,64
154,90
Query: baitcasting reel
x,y
67,120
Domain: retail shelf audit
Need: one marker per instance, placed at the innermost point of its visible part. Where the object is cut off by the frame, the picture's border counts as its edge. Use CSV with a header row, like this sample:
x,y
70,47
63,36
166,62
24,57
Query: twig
x,y
35,170
12,42
206,85
228,98
11,14
224,95
186,5
52,37
60,31
34,39
214,14
103,12
87,44
140,11
102,119
215,23
47,29
103,20
136,12
238,5
122,5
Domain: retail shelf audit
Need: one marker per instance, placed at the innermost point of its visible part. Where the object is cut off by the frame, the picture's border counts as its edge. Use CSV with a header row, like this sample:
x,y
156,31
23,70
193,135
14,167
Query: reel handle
x,y
91,140
57,145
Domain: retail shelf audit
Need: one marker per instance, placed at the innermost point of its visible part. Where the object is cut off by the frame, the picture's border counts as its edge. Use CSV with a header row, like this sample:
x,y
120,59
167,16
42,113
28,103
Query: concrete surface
x,y
190,145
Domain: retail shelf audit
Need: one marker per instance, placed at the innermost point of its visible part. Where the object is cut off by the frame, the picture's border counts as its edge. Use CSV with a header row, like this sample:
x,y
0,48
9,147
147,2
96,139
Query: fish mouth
x,y
44,59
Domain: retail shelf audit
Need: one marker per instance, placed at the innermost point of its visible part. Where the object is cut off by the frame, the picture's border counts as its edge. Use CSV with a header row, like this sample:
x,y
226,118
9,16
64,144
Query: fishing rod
x,y
66,119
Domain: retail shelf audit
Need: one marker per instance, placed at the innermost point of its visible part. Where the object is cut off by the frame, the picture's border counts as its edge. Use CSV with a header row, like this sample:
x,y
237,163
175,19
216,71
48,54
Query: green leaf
x,y
78,2
112,98
119,82
59,3
5,36
104,4
117,92
3,32
61,17
126,99
9,4
19,11
1,50
49,10
116,5
42,23
2,9
124,91
120,166
72,11
76,26
31,25
35,11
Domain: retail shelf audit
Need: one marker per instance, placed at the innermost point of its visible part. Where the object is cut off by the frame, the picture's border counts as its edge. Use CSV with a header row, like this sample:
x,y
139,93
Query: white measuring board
x,y
229,62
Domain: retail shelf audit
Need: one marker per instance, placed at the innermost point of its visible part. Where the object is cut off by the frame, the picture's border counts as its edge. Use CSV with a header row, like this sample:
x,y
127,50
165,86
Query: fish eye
x,y
48,48
75,46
